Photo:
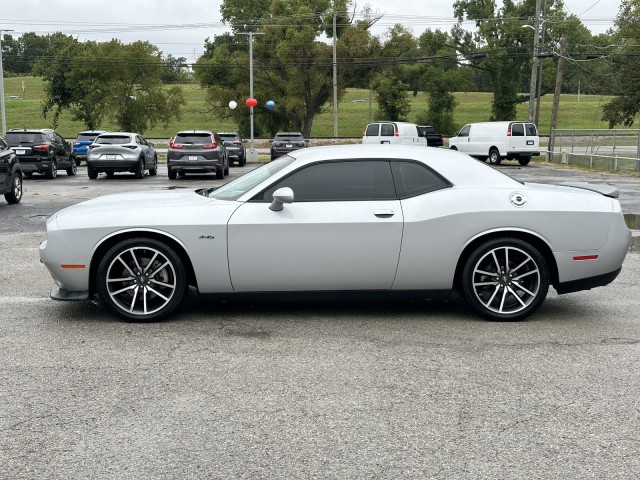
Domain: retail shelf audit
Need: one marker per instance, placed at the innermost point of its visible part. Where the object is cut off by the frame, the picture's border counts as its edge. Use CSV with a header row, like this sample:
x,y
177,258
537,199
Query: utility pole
x,y
335,77
556,96
539,81
252,153
534,61
4,117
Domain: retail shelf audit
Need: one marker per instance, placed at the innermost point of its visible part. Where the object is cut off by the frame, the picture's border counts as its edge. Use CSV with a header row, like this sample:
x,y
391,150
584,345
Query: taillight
x,y
300,144
94,145
509,132
277,144
210,147
237,143
176,145
397,133
40,148
130,147
75,144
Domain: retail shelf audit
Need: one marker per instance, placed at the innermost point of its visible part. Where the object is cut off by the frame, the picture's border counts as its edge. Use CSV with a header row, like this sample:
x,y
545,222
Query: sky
x,y
180,27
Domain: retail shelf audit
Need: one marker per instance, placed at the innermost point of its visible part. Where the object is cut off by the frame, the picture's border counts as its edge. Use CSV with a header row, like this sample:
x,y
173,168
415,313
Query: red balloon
x,y
251,102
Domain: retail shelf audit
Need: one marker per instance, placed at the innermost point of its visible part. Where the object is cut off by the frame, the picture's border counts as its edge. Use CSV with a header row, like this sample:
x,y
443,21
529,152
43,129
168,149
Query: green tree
x,y
622,110
119,81
292,65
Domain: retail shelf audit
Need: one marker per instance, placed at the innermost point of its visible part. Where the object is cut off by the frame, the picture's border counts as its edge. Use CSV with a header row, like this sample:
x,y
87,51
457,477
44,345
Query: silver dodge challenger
x,y
381,220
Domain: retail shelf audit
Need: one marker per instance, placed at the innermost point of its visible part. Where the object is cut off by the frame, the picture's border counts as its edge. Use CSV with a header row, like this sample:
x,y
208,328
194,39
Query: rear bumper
x,y
31,165
113,165
196,167
587,283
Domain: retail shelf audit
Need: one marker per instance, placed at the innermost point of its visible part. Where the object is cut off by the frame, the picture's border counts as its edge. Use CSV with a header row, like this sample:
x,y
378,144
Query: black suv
x,y
41,151
197,151
10,174
285,142
235,147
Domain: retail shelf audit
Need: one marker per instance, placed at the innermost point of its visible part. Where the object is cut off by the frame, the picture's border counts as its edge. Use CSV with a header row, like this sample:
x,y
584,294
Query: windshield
x,y
113,139
241,185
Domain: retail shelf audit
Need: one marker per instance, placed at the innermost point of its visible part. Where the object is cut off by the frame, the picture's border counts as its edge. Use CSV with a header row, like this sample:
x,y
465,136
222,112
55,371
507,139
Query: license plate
x,y
111,157
193,157
289,145
20,152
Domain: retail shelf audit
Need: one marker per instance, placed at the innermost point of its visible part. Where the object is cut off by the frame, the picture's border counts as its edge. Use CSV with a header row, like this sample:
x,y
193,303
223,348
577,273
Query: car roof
x,y
289,133
187,132
459,168
93,131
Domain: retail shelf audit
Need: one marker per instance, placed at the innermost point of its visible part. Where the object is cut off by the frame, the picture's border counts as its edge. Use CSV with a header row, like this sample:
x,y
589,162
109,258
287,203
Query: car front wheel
x,y
494,157
505,279
15,195
141,280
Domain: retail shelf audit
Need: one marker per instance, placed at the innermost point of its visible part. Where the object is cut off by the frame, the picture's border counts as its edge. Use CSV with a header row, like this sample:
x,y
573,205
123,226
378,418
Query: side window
x,y
413,179
464,132
517,130
372,130
531,130
387,130
140,140
339,181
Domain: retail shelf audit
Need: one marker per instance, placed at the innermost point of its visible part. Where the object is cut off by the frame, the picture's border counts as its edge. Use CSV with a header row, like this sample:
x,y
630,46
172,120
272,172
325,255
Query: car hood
x,y
140,209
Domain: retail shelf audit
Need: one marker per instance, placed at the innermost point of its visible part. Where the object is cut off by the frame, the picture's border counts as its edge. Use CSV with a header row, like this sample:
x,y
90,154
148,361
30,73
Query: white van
x,y
393,132
497,140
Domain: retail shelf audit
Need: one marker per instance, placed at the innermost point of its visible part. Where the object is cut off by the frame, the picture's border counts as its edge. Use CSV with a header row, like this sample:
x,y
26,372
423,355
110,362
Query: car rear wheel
x,y
73,169
154,171
494,157
524,161
220,173
242,161
139,173
141,279
505,279
171,174
15,195
92,172
52,171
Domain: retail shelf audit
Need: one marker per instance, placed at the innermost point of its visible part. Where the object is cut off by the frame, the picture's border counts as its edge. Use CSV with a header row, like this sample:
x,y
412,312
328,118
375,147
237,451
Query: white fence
x,y
600,149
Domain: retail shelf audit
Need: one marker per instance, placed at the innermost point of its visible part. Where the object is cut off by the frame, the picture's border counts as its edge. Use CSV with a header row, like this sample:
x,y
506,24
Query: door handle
x,y
384,213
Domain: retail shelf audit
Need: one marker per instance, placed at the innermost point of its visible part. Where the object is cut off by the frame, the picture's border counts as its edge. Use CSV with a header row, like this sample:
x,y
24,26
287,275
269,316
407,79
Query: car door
x,y
144,147
63,149
517,140
5,164
342,232
462,142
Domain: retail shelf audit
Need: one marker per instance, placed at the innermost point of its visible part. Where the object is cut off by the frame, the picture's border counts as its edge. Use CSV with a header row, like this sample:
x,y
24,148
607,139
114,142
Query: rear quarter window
x,y
412,179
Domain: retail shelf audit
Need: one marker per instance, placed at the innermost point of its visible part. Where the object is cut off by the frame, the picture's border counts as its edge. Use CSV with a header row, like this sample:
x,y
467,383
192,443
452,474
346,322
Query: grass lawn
x,y
583,112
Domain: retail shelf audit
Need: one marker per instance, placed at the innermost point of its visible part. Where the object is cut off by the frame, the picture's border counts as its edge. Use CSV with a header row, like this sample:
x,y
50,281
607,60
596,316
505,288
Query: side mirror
x,y
280,197
151,145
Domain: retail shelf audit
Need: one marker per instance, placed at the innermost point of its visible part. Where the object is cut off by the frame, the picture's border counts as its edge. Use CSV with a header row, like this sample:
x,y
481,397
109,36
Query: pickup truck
x,y
434,139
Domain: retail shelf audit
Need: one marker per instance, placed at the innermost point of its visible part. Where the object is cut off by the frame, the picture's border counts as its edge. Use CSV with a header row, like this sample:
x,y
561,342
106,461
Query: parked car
x,y
387,220
495,141
197,151
286,142
81,144
114,152
434,139
235,147
10,174
41,151
393,132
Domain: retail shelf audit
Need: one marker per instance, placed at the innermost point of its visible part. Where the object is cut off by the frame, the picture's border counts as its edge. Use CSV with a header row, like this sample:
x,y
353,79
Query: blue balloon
x,y
271,104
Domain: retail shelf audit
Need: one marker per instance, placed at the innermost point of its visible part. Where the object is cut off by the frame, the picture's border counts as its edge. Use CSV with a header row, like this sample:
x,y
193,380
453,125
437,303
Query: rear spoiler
x,y
606,190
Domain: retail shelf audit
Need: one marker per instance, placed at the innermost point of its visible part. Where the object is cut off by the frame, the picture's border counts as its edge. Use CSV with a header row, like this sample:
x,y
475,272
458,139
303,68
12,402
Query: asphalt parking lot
x,y
311,390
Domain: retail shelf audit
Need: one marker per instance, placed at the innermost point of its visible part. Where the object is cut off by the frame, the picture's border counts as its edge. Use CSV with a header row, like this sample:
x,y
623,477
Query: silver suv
x,y
121,152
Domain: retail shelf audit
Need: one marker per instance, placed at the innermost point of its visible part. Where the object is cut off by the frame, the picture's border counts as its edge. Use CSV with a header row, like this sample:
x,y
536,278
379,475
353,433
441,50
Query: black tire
x,y
171,174
139,173
73,169
141,280
15,195
453,148
242,161
220,174
494,157
226,170
505,279
154,171
92,172
524,160
110,174
52,171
